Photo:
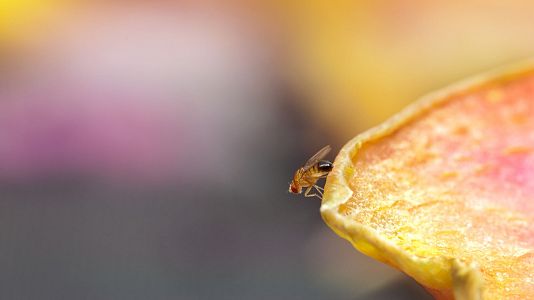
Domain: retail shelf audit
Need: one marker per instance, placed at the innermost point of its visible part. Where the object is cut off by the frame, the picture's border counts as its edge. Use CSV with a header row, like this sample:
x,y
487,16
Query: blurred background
x,y
146,146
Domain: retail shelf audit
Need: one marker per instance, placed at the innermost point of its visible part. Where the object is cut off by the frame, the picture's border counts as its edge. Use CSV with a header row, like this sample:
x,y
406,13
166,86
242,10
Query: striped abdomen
x,y
319,170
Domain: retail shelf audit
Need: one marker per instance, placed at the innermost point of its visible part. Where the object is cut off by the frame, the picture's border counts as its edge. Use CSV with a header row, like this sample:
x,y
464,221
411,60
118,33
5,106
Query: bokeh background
x,y
146,146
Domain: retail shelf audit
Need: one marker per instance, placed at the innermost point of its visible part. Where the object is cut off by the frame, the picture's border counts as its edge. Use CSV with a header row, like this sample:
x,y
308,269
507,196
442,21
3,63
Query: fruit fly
x,y
314,169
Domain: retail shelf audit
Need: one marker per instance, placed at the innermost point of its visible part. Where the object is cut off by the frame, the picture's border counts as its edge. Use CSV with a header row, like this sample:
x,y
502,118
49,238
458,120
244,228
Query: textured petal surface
x,y
451,178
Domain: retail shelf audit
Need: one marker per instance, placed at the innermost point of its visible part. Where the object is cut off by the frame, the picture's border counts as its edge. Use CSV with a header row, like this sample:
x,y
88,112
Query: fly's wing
x,y
317,157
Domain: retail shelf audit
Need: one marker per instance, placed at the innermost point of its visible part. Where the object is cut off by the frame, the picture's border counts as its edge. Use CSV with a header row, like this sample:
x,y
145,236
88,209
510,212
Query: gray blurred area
x,y
76,239
242,238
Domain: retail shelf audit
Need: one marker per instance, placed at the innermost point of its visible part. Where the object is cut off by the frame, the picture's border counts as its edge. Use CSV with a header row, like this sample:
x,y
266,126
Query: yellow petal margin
x,y
429,192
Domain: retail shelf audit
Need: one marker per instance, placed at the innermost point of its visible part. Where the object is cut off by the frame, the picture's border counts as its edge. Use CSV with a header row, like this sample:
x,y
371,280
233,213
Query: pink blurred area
x,y
148,90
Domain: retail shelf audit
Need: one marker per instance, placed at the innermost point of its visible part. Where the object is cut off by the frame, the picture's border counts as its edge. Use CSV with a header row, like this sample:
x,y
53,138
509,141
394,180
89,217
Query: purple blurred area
x,y
136,94
145,153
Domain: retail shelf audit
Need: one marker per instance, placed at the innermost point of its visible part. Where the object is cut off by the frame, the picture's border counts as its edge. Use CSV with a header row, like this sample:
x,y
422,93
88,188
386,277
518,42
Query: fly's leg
x,y
319,190
307,193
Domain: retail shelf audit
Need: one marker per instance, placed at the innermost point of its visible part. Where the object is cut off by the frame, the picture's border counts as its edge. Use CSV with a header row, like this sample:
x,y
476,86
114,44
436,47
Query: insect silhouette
x,y
308,175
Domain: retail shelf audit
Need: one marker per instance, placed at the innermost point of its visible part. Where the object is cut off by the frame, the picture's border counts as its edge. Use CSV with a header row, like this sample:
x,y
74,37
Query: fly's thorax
x,y
298,175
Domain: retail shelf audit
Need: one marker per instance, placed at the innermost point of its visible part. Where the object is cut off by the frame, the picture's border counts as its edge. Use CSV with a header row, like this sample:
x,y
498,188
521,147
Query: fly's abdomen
x,y
324,166
319,170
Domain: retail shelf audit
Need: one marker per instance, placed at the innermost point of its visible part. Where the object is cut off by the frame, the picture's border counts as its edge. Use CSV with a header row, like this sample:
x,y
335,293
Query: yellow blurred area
x,y
23,19
362,61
